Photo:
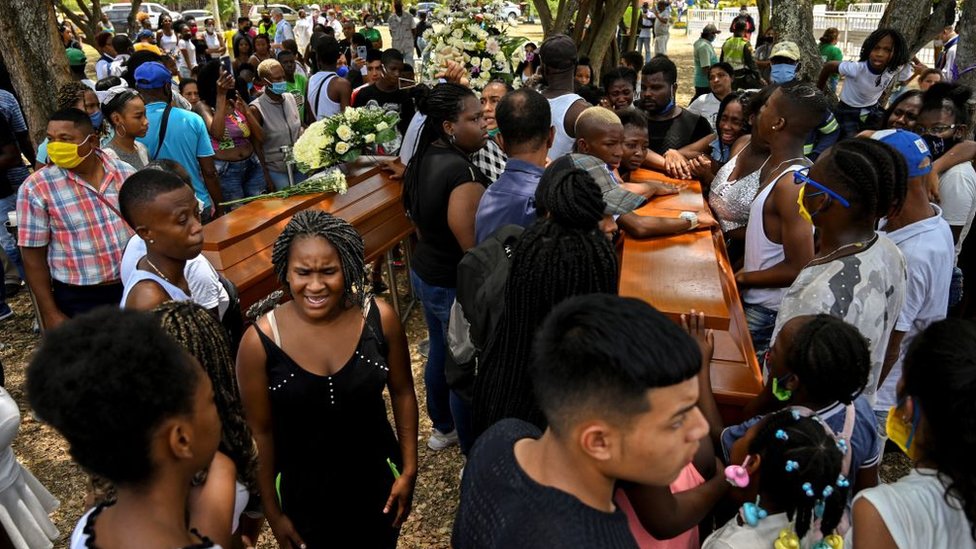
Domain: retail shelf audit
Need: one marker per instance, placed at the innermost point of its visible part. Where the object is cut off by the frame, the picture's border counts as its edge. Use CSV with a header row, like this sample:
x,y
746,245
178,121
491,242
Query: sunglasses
x,y
801,177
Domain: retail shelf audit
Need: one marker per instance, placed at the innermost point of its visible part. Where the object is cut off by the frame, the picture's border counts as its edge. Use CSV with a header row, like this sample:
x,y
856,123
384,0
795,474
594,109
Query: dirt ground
x,y
45,453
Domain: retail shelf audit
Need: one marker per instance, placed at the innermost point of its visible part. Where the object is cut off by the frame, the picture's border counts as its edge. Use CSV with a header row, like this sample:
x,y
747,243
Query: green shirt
x,y
298,89
830,52
372,35
704,57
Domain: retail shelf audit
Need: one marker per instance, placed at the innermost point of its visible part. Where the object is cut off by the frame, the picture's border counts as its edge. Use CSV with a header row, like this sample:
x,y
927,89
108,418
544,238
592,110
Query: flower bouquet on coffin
x,y
474,38
332,141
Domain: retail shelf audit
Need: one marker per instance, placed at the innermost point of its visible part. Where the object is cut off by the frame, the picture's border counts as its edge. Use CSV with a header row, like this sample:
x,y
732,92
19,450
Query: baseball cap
x,y
912,148
76,57
710,29
785,49
153,75
558,52
144,33
619,200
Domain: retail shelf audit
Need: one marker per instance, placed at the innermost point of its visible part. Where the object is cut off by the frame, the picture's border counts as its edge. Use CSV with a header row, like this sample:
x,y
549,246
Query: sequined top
x,y
730,199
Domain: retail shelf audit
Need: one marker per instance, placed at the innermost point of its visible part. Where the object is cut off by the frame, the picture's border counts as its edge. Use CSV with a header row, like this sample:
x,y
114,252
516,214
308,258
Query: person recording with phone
x,y
234,133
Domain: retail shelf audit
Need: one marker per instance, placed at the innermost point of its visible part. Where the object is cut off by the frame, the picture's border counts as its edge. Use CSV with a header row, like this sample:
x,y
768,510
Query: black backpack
x,y
478,305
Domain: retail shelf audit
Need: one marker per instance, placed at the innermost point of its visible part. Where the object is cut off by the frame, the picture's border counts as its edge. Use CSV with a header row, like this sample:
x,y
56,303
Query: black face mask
x,y
938,146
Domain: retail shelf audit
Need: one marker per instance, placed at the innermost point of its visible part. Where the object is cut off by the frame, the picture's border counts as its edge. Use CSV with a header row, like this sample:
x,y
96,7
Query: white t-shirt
x,y
205,287
865,289
660,27
863,88
929,257
916,513
707,106
957,186
410,139
647,19
734,536
191,52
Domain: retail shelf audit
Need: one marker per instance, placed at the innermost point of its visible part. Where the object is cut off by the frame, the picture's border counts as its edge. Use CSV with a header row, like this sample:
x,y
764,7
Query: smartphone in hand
x,y
361,52
225,62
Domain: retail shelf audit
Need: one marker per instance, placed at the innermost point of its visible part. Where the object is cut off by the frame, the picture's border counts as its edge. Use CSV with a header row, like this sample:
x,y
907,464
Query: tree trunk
x,y
793,21
764,8
966,52
579,27
602,32
634,24
36,71
560,23
545,15
919,20
131,20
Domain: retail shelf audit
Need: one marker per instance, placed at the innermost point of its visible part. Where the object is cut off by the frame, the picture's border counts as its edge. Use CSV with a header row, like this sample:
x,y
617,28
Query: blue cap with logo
x,y
152,76
912,148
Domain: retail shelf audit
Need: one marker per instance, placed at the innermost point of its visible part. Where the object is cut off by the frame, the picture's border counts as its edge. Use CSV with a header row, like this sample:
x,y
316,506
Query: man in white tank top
x,y
327,93
558,55
779,240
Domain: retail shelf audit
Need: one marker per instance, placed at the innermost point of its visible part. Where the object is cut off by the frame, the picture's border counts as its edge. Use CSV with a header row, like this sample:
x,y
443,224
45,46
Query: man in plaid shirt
x,y
69,229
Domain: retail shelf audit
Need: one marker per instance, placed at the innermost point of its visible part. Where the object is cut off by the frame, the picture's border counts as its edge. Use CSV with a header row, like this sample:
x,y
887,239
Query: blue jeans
x,y
644,47
9,204
280,179
446,409
240,179
761,321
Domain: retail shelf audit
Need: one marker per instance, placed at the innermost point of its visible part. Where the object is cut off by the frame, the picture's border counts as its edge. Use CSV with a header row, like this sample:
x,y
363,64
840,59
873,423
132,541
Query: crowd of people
x,y
585,419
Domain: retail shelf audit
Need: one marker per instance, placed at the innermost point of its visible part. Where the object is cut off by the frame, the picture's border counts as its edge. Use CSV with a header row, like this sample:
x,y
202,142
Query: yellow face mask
x,y
804,213
901,432
65,155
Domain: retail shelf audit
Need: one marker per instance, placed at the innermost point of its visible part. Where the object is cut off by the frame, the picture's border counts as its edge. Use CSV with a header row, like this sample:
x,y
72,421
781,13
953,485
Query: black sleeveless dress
x,y
334,444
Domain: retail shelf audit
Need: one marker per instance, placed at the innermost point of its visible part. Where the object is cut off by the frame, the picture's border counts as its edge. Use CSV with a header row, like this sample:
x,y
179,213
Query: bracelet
x,y
690,217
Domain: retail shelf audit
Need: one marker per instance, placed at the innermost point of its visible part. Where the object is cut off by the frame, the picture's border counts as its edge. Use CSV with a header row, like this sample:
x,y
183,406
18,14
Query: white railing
x,y
854,26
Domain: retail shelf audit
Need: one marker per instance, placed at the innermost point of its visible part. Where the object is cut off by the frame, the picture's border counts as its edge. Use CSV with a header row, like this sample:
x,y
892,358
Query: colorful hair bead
x,y
752,513
781,434
833,541
791,466
842,482
787,540
795,414
807,489
827,491
842,445
737,475
818,509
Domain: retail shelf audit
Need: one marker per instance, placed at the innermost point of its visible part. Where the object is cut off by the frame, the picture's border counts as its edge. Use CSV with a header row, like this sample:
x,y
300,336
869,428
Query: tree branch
x,y
545,15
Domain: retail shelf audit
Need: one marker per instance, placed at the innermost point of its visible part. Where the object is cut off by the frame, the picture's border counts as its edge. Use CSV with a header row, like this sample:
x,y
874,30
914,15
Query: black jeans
x,y
75,300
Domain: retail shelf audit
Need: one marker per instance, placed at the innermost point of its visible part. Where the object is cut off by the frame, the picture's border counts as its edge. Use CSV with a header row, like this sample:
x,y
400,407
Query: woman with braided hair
x,y
564,253
857,274
331,471
217,504
441,191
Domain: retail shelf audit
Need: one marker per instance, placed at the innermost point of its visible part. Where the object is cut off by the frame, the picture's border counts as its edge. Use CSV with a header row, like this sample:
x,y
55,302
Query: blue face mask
x,y
96,119
279,88
782,73
250,86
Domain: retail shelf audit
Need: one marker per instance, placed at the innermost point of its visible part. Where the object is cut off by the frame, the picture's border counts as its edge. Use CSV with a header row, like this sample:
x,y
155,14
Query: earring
x,y
151,241
452,138
120,130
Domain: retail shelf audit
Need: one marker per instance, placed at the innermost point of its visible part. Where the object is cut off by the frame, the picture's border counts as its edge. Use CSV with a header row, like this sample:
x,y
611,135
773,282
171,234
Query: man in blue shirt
x,y
283,29
525,134
186,139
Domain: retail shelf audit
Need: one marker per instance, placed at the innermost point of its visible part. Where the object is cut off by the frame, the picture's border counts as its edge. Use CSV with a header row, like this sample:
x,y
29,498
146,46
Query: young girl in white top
x,y
789,480
884,57
935,423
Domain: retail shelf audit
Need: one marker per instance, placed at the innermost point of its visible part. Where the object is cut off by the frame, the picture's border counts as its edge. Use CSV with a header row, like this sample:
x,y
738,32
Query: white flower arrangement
x,y
483,47
343,137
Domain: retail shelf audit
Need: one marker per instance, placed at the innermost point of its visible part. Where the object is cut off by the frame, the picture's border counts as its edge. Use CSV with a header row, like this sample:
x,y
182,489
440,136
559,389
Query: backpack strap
x,y
162,129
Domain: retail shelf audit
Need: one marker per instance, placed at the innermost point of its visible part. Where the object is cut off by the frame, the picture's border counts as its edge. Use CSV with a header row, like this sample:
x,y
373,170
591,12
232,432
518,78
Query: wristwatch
x,y
690,217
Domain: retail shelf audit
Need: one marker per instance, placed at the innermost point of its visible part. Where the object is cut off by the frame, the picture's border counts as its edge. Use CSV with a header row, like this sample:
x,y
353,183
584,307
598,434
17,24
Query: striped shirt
x,y
84,235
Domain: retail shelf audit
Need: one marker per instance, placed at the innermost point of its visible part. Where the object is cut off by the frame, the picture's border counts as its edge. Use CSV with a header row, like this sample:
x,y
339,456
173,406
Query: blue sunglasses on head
x,y
800,177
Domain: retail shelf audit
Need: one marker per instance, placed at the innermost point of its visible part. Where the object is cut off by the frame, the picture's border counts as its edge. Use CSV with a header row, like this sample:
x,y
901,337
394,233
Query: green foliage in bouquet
x,y
343,137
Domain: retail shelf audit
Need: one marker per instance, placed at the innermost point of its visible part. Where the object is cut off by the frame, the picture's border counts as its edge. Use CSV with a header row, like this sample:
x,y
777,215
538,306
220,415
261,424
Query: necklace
x,y
775,170
155,268
855,245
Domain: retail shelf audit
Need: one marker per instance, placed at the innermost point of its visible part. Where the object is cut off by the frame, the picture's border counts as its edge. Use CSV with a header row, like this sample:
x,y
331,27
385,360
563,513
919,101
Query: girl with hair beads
x,y
331,470
789,479
935,423
137,410
125,111
818,364
441,192
217,503
884,57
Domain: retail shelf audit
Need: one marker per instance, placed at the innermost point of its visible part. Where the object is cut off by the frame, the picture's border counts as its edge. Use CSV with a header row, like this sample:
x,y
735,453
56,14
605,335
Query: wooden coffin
x,y
691,270
239,244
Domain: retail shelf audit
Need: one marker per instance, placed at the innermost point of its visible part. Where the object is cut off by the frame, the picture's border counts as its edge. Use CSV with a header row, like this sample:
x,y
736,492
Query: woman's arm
x,y
703,145
216,124
253,381
461,209
870,532
404,402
